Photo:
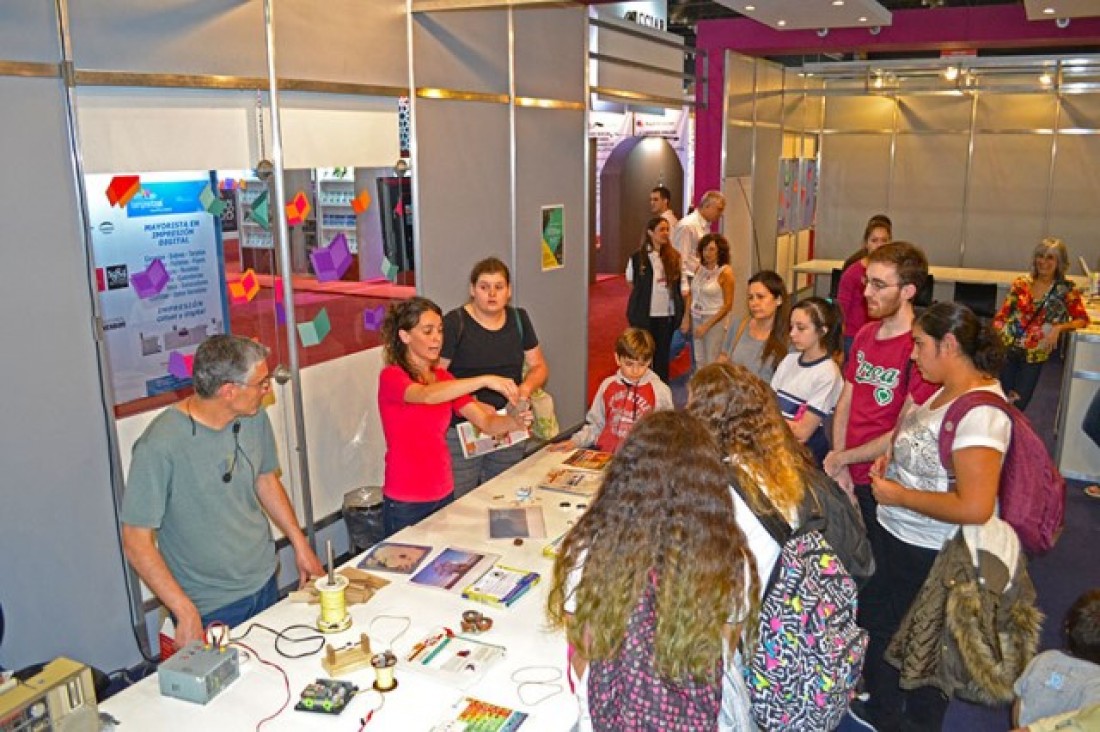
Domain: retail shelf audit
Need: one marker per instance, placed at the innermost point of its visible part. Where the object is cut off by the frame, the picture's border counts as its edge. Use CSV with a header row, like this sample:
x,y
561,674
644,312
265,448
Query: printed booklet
x,y
519,522
454,568
585,459
390,556
475,442
581,483
475,715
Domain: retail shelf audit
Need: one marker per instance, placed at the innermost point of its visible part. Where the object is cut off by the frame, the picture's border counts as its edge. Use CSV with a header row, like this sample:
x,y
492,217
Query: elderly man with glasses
x,y
202,485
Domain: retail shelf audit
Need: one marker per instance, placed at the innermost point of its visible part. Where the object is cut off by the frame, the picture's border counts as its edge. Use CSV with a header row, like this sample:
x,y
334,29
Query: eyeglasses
x,y
879,285
263,384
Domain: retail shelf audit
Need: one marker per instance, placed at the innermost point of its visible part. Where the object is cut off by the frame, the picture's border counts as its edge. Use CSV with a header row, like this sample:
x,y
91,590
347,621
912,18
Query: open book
x,y
585,459
582,483
475,442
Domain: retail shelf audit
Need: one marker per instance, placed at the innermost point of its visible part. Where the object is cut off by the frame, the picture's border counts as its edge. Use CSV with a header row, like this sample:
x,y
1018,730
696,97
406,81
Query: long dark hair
x,y
670,258
775,349
404,316
976,339
664,510
878,221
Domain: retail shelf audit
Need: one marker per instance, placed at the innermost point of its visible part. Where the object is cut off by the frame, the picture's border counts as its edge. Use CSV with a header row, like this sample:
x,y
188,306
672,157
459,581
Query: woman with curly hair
x,y
772,467
653,584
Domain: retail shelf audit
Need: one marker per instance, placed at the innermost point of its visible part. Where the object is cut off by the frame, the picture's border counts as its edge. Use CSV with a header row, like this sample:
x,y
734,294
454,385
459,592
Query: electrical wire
x,y
277,667
281,635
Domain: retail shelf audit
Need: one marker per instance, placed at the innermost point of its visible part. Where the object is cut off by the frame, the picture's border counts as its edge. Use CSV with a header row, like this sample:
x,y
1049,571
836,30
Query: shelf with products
x,y
253,236
335,215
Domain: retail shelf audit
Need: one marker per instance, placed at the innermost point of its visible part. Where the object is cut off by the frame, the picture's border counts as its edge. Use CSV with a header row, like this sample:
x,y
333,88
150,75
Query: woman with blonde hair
x,y
1041,306
772,467
653,583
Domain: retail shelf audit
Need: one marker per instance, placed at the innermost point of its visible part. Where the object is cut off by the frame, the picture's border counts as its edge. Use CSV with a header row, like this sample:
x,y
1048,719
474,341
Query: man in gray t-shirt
x,y
202,484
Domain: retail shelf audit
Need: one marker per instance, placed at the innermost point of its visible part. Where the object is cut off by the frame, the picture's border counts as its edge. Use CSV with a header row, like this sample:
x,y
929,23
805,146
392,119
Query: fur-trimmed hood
x,y
974,625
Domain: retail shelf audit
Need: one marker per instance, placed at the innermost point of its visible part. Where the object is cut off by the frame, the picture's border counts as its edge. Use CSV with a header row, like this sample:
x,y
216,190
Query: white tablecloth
x,y
419,700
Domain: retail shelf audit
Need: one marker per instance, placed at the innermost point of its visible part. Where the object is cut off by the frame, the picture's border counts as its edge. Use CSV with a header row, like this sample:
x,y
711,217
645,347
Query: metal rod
x,y
282,245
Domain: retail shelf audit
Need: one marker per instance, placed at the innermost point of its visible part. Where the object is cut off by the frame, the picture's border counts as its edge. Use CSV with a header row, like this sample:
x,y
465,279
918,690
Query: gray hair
x,y
711,197
1051,245
225,359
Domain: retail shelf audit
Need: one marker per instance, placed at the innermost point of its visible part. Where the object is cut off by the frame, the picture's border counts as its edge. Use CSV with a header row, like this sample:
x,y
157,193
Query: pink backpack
x,y
1032,493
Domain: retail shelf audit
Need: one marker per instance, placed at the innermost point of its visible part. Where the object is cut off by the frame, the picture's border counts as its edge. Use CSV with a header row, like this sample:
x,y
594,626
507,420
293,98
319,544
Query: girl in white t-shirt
x,y
659,541
920,506
808,382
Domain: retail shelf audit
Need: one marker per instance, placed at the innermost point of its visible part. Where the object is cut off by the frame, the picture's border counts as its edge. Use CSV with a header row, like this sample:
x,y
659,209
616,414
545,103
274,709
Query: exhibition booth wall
x,y
497,136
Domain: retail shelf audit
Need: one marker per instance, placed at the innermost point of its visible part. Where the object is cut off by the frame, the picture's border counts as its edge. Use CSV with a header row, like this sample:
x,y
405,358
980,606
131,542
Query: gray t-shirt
x,y
1055,682
748,352
214,536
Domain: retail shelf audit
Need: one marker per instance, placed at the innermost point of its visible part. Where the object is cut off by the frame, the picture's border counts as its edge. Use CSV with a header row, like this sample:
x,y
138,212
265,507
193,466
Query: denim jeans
x,y
1017,375
241,610
397,515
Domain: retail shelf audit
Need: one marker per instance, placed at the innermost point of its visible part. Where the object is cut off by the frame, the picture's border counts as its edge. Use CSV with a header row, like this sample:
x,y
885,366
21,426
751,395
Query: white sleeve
x,y
594,421
826,389
984,427
663,394
630,270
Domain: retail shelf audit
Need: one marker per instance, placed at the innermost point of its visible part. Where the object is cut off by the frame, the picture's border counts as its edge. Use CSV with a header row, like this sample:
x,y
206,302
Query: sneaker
x,y
857,710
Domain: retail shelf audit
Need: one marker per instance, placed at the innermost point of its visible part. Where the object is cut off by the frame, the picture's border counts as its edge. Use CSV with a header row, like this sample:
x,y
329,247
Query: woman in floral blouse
x,y
1039,308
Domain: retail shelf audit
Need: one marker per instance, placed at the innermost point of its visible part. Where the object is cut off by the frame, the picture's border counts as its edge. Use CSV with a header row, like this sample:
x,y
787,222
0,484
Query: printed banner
x,y
553,237
159,276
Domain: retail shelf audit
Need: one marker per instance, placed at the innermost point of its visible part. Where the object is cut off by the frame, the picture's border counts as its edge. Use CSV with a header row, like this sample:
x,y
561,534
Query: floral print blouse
x,y
1022,320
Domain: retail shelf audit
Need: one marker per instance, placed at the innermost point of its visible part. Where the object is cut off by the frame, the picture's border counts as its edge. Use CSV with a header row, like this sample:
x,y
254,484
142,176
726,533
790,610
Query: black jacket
x,y
637,307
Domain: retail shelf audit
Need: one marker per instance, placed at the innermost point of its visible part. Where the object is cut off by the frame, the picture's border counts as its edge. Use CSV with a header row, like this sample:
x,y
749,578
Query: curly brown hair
x,y
664,508
743,415
404,316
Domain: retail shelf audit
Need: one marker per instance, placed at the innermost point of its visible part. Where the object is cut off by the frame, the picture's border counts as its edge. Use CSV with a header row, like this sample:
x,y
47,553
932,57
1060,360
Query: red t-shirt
x,y
418,464
882,375
849,296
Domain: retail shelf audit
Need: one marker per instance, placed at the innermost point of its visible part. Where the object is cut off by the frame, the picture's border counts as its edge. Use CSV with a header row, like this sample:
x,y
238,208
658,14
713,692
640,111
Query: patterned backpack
x,y
809,651
1032,493
626,694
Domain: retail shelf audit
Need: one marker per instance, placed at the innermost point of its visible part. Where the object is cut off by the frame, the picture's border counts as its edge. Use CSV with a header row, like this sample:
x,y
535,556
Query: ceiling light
x,y
750,8
1048,11
780,23
1045,79
863,19
951,73
838,3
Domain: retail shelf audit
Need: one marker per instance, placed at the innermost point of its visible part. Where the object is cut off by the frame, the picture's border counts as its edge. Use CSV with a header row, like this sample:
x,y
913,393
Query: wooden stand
x,y
346,660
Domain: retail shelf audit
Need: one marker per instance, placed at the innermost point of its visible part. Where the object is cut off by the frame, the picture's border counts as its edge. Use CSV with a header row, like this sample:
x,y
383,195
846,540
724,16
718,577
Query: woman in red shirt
x,y
415,400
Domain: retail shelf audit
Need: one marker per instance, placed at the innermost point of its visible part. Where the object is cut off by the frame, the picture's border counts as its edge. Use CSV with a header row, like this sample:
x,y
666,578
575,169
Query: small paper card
x,y
392,556
475,442
501,586
453,568
584,459
455,659
582,483
475,715
520,522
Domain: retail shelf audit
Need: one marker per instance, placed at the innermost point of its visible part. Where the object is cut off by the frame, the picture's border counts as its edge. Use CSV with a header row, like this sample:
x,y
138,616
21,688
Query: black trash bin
x,y
363,517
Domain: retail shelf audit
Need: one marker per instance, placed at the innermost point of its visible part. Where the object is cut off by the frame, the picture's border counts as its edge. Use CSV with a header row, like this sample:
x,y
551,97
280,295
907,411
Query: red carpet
x,y
606,321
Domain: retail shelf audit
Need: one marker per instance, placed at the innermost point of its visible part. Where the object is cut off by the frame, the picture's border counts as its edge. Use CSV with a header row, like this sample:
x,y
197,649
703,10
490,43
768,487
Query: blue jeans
x,y
397,515
241,610
469,473
1017,375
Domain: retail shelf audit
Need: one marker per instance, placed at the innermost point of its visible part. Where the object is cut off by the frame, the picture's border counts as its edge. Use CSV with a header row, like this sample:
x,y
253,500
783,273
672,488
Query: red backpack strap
x,y
955,413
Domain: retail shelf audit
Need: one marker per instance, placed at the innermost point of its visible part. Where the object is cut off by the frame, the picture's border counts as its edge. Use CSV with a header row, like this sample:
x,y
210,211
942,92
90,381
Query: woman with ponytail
x,y
921,505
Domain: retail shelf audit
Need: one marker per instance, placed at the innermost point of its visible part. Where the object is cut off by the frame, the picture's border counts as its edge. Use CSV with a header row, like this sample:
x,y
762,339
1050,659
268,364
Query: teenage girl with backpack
x,y
653,584
920,507
808,382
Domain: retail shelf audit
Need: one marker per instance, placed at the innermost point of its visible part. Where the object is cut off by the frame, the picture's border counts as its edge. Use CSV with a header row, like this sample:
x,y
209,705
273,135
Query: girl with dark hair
x,y
416,398
920,505
656,301
849,294
488,336
759,342
659,552
711,298
808,382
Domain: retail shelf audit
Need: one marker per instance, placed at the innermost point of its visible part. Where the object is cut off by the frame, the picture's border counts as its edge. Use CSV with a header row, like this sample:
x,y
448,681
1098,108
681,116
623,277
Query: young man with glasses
x,y
880,383
203,482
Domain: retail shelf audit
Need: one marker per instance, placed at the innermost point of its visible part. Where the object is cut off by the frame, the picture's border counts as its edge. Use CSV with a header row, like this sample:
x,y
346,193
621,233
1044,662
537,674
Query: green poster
x,y
553,238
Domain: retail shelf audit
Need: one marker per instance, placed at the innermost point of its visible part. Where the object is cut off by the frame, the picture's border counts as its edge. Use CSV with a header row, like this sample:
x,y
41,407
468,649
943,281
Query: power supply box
x,y
197,673
60,698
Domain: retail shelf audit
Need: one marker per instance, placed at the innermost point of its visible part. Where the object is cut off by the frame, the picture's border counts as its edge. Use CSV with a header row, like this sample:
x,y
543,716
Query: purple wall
x,y
1000,26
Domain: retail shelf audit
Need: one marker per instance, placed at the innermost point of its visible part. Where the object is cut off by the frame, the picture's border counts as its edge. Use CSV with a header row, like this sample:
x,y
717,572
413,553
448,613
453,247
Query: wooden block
x,y
346,660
